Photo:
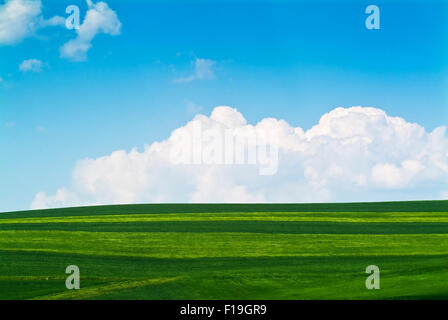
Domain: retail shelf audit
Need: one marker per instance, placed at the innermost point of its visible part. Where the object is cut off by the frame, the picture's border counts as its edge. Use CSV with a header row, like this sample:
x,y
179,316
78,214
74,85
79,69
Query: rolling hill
x,y
234,251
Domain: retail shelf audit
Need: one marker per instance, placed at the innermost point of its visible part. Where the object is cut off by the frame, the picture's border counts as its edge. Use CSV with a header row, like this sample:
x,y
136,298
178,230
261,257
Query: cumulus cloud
x,y
20,19
393,176
352,154
31,65
203,70
99,19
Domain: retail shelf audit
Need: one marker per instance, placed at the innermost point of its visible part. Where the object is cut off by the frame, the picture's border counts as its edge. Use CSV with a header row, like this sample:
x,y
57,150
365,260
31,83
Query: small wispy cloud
x,y
99,19
203,70
10,124
31,65
193,107
4,83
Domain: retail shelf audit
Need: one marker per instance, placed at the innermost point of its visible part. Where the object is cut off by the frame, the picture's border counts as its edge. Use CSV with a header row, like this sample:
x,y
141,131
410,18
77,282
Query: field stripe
x,y
91,292
267,227
389,217
203,245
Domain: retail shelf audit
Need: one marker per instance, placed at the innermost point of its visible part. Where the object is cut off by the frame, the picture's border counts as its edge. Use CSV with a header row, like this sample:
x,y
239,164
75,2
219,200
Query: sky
x,y
136,71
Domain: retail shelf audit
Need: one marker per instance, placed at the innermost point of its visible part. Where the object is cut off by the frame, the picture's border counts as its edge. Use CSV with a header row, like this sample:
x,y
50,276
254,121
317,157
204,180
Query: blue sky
x,y
291,60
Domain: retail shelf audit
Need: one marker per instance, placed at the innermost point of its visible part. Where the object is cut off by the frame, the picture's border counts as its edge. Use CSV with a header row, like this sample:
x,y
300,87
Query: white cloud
x,y
20,19
41,200
352,154
99,19
392,176
203,70
444,195
31,65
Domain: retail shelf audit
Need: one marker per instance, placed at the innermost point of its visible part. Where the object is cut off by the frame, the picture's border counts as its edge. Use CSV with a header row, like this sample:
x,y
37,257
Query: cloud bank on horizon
x,y
352,154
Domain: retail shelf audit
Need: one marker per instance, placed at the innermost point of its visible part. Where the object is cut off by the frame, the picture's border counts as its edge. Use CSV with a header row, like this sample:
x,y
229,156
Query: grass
x,y
279,251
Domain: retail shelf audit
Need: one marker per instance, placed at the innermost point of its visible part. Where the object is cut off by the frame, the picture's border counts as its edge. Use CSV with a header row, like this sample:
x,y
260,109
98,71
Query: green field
x,y
278,251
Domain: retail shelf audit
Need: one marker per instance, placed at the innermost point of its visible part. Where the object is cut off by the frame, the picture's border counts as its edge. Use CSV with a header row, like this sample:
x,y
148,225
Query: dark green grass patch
x,y
285,227
410,206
